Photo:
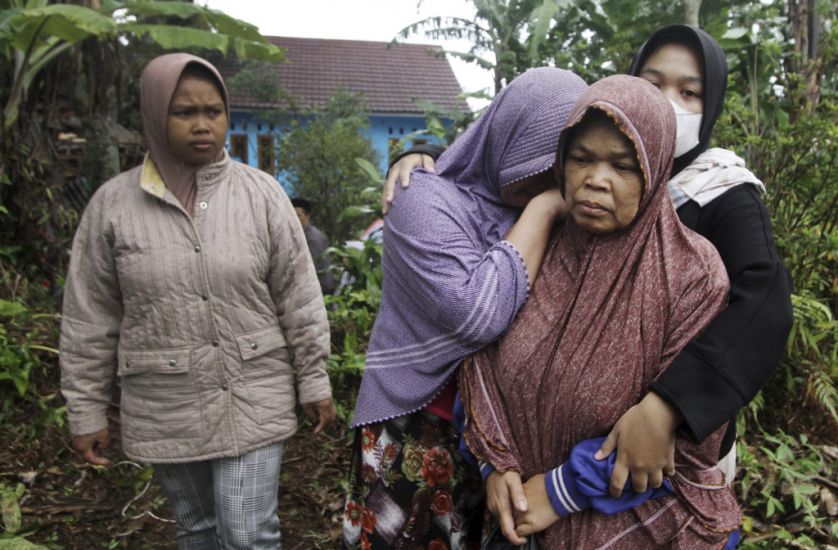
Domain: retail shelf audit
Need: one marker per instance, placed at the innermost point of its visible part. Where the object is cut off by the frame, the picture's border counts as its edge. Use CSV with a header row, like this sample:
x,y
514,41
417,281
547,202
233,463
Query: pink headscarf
x,y
607,314
157,85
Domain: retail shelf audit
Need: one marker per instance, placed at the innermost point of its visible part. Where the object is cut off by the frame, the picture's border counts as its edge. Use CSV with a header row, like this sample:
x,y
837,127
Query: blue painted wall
x,y
383,128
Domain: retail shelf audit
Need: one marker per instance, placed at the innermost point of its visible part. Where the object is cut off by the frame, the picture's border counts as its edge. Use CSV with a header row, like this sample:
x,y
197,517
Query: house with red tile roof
x,y
391,77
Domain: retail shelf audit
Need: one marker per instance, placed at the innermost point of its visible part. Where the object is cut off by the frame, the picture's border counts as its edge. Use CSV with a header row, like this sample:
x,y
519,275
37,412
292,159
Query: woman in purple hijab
x,y
459,258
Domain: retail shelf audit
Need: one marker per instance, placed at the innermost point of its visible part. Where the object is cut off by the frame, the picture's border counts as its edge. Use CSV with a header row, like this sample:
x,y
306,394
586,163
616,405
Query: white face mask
x,y
689,125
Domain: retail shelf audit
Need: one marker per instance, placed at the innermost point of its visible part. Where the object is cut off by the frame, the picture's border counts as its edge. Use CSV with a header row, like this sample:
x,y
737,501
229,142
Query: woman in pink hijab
x,y
191,281
623,288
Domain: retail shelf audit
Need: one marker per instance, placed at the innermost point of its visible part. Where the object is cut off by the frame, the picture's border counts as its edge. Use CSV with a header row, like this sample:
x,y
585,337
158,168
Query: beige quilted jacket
x,y
209,323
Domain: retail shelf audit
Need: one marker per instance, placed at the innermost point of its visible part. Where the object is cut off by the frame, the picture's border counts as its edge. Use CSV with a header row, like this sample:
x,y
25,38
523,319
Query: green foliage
x,y
10,539
811,364
351,313
597,39
788,140
318,154
787,135
508,32
9,497
218,30
28,339
37,221
353,306
786,477
256,79
434,116
34,36
19,347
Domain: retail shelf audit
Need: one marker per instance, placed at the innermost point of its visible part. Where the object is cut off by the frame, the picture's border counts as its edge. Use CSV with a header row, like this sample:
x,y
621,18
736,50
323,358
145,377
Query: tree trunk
x,y
102,66
98,93
691,9
804,28
102,149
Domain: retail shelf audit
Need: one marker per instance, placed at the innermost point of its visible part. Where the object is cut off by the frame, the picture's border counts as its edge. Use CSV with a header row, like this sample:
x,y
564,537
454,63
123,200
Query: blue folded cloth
x,y
582,483
579,484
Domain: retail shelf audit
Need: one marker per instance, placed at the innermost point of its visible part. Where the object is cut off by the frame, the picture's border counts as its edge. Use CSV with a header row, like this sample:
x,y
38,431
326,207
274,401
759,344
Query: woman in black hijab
x,y
716,196
712,58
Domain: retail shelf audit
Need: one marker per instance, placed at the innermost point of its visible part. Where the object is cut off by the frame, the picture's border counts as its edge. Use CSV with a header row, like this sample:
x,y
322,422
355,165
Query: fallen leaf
x,y
829,501
830,451
28,478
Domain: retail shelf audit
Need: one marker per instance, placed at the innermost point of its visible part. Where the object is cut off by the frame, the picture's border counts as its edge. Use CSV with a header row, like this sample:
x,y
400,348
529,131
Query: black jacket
x,y
723,369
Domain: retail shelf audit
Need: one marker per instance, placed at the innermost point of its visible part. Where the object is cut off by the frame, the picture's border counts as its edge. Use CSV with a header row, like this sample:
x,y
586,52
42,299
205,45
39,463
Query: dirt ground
x,y
68,504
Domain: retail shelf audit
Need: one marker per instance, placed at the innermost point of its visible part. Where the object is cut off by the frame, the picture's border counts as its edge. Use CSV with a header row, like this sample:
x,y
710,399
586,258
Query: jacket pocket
x,y
160,399
259,342
267,375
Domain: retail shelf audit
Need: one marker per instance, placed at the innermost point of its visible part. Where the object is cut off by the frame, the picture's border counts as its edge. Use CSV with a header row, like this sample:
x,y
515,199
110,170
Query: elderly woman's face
x,y
676,70
602,178
197,122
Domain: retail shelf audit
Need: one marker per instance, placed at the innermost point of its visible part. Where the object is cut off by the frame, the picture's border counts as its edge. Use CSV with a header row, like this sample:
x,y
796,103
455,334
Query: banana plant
x,y
34,32
506,35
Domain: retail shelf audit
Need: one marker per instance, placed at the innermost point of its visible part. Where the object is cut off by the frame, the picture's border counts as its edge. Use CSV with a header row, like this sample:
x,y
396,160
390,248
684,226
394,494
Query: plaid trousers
x,y
225,503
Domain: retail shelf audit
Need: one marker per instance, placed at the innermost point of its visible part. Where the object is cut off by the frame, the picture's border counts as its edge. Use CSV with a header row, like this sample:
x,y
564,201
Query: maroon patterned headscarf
x,y
606,315
157,86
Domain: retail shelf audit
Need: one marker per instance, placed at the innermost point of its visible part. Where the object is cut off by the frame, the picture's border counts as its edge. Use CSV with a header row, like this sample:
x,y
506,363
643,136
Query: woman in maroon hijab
x,y
623,288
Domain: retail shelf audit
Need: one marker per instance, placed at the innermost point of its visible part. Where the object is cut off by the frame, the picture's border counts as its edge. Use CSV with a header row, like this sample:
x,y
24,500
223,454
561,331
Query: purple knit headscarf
x,y
451,283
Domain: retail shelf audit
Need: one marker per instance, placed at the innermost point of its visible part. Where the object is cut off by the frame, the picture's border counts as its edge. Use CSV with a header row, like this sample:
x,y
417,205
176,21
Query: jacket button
x,y
172,362
197,248
254,345
215,343
127,364
204,297
224,386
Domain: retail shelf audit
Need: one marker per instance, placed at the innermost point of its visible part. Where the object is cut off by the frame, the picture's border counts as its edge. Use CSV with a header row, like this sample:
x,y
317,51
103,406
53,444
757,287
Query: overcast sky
x,y
377,20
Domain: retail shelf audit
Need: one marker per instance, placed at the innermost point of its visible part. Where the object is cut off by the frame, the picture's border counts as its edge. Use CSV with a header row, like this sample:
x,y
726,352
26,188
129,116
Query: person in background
x,y
317,245
190,280
715,195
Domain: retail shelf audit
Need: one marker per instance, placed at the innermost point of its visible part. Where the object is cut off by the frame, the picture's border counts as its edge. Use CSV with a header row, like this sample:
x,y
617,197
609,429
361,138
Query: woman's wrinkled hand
x,y
540,514
323,412
502,490
644,438
90,446
400,172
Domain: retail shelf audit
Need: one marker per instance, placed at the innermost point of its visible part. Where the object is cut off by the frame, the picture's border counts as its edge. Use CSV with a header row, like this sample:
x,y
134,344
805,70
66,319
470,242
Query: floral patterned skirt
x,y
409,488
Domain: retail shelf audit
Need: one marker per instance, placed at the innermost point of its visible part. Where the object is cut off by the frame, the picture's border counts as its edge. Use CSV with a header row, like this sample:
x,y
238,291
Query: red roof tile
x,y
389,77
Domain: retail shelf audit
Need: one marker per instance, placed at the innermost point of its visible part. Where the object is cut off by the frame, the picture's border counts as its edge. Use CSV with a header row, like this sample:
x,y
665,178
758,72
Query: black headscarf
x,y
712,56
